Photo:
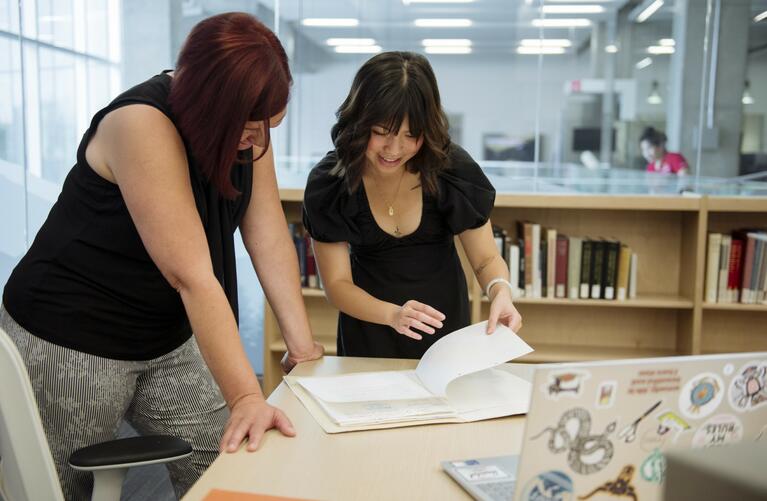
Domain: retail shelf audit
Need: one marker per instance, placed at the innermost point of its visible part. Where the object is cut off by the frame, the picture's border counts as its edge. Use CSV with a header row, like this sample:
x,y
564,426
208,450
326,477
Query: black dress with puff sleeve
x,y
423,265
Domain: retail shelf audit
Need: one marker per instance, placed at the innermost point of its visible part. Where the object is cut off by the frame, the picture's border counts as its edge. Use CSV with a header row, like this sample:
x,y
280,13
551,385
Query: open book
x,y
459,379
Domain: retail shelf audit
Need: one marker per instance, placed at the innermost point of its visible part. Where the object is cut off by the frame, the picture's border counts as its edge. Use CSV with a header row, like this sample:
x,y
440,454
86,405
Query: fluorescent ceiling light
x,y
545,42
760,17
578,1
446,42
408,2
611,48
644,63
330,22
654,96
431,49
659,49
350,41
443,23
357,49
540,50
561,23
667,42
572,9
643,11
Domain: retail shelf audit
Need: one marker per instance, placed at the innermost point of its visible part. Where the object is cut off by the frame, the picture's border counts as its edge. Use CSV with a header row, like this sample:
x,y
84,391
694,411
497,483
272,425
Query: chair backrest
x,y
27,472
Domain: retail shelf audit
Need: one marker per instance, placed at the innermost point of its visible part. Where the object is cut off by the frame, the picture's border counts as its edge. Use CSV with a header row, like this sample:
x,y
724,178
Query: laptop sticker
x,y
660,380
670,422
748,389
721,429
479,473
701,395
566,384
549,486
620,487
629,433
653,468
606,394
587,453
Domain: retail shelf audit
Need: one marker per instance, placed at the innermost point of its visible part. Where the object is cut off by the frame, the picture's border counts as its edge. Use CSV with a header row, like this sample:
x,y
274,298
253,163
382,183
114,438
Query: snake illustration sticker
x,y
620,487
748,389
586,453
653,468
701,395
568,383
606,394
552,485
719,430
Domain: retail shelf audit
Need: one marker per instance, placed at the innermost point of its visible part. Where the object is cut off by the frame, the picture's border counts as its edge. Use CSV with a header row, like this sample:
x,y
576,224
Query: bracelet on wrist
x,y
236,400
497,281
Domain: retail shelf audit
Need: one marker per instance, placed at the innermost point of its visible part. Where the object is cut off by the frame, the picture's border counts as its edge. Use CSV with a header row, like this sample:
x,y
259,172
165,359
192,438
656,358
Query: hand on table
x,y
290,360
250,418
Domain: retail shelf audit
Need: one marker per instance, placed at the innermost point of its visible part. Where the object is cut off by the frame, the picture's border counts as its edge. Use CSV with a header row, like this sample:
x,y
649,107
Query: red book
x,y
734,270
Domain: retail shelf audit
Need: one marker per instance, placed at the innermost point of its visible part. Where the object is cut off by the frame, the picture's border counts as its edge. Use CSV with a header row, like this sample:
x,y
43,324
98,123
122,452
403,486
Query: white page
x,y
355,413
481,394
465,351
366,387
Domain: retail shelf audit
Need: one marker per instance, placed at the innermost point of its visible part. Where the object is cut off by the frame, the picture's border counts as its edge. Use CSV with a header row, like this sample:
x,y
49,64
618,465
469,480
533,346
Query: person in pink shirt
x,y
653,146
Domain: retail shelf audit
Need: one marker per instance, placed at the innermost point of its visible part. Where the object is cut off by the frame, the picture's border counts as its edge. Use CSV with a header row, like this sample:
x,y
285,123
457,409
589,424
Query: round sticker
x,y
549,486
701,395
748,389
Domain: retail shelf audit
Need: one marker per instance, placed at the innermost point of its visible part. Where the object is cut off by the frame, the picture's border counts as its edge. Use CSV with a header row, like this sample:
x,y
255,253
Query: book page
x,y
489,393
366,387
386,411
466,351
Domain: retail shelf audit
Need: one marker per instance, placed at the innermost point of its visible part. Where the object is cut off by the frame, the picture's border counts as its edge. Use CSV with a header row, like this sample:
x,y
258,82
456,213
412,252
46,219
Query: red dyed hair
x,y
231,69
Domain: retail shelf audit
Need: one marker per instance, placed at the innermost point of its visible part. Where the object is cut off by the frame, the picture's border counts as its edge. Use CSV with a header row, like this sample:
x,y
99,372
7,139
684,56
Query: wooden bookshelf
x,y
668,316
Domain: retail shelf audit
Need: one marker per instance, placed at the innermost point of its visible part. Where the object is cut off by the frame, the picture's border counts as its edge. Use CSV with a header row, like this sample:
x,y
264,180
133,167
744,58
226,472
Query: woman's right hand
x,y
416,315
250,417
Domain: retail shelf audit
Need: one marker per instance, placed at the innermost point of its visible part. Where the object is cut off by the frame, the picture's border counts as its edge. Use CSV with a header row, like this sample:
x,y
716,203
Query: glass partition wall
x,y
549,96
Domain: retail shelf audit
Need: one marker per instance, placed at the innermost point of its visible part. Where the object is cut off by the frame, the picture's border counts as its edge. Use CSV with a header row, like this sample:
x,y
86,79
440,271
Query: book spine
x,y
574,266
544,267
597,264
734,267
522,290
633,272
748,267
535,264
585,268
609,274
551,263
311,265
528,259
724,266
514,270
561,266
712,266
624,263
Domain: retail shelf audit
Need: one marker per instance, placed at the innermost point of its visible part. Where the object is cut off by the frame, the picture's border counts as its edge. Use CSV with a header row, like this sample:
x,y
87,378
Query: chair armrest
x,y
127,452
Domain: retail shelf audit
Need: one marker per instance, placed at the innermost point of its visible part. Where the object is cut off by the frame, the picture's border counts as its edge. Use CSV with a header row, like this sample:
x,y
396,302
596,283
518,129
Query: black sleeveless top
x,y
423,265
88,283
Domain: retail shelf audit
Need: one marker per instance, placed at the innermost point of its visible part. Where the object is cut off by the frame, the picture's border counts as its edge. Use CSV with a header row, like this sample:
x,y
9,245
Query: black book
x,y
586,248
597,266
610,270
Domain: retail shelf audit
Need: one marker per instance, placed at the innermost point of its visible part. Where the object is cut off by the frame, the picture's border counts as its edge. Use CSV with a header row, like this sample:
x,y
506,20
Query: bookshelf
x,y
668,316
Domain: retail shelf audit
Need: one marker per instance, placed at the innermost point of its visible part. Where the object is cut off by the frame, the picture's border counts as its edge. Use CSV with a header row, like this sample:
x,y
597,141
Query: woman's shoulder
x,y
462,169
329,208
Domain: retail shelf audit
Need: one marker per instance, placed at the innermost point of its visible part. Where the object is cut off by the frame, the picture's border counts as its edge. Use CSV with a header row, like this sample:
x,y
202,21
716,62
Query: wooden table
x,y
398,463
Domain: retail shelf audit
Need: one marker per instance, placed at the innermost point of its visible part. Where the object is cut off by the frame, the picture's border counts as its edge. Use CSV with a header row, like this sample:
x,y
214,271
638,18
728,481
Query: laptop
x,y
598,430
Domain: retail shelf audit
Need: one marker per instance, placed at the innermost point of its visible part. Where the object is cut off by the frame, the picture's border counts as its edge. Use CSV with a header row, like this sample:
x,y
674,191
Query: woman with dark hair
x,y
383,209
653,146
137,255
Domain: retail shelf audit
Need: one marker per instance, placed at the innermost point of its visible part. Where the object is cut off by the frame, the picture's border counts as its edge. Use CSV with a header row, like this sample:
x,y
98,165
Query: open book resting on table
x,y
460,378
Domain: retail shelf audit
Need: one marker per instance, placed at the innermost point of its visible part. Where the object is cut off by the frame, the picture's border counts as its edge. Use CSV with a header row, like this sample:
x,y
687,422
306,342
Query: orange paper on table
x,y
221,495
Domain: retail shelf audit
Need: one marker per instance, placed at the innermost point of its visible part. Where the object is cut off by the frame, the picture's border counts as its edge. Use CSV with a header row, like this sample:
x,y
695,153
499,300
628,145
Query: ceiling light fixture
x,y
667,42
327,22
644,10
545,42
350,41
540,50
644,63
357,49
654,96
561,23
443,23
572,9
747,97
446,42
611,48
660,49
760,17
433,49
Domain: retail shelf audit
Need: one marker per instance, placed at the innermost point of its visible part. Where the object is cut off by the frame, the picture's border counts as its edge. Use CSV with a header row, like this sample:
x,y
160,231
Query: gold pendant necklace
x,y
391,204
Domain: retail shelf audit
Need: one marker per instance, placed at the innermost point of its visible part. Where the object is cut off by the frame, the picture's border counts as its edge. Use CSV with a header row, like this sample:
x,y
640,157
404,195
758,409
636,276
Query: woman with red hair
x,y
125,306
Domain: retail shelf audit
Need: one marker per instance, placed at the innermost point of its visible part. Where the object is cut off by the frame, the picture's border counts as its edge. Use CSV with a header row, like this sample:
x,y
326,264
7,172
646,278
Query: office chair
x,y
27,472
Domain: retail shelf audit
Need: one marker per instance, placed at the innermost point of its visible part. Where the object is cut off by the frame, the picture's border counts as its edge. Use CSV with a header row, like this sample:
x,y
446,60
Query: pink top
x,y
671,163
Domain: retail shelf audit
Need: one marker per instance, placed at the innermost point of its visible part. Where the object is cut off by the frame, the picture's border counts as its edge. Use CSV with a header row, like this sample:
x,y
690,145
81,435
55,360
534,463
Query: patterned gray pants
x,y
82,399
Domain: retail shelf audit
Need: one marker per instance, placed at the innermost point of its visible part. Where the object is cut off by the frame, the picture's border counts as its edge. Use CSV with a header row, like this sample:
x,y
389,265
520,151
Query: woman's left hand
x,y
502,310
251,417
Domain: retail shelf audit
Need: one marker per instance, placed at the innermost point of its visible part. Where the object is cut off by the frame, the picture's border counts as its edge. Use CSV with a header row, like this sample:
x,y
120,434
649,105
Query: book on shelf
x,y
585,288
574,266
514,270
543,266
736,267
633,272
597,267
551,262
461,378
560,266
535,264
610,270
624,267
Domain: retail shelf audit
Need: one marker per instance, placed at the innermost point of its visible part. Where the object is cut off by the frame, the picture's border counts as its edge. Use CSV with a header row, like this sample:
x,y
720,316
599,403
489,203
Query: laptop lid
x,y
600,428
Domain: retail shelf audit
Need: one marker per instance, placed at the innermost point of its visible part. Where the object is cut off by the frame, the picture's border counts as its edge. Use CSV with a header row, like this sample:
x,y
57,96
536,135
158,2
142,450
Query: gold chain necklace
x,y
390,205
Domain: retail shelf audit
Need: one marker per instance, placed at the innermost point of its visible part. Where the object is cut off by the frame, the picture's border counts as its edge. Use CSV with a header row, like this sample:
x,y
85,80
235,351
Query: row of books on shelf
x,y
736,267
307,265
544,263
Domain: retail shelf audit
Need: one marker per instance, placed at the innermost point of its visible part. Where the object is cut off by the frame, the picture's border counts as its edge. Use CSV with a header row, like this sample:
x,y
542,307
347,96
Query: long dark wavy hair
x,y
387,88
